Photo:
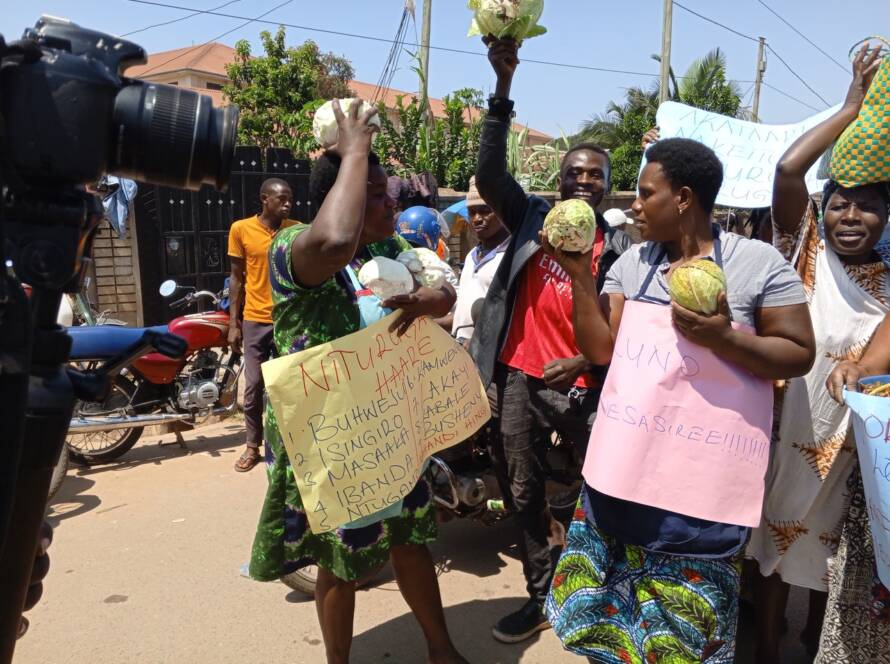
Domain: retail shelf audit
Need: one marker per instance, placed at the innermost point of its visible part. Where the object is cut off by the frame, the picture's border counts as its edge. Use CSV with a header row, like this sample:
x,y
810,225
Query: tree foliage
x,y
621,127
278,92
414,142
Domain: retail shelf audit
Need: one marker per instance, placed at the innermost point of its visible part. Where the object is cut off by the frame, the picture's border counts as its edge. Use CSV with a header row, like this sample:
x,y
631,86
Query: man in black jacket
x,y
524,340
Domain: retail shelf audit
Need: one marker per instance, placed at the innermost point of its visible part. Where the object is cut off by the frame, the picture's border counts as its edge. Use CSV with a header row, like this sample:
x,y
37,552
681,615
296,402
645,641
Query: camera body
x,y
71,116
67,117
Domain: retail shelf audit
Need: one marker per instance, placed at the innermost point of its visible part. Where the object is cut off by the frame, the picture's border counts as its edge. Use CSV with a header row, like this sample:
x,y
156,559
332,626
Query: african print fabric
x,y
857,620
814,453
305,317
620,604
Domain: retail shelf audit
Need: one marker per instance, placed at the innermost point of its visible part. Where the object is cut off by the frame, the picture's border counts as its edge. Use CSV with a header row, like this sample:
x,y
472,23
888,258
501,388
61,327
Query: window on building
x,y
214,86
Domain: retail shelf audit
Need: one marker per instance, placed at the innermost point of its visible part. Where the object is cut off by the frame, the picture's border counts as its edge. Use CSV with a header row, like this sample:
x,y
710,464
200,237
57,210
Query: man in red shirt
x,y
524,340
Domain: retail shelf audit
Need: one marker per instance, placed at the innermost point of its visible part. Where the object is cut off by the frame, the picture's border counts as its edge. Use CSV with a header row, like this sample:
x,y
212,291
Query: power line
x,y
377,39
803,36
177,20
797,76
710,20
785,94
753,39
248,21
211,12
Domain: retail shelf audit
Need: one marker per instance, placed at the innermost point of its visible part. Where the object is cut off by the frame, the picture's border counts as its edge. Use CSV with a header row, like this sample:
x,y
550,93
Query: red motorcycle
x,y
155,389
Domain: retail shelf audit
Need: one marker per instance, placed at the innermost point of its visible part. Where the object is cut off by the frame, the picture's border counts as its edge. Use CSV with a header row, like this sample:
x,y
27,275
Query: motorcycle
x,y
465,486
155,389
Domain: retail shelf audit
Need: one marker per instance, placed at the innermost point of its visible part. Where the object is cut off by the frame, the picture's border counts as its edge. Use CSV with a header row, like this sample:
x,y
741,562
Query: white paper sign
x,y
749,151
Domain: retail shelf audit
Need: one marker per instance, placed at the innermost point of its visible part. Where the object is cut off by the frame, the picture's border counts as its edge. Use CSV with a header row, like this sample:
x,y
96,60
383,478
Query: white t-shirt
x,y
475,278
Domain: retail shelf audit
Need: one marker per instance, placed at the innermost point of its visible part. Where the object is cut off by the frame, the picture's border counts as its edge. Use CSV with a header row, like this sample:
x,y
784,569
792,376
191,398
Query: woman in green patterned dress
x,y
315,302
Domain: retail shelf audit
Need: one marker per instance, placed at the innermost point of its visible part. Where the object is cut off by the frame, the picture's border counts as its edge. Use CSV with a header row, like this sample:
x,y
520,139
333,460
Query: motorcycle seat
x,y
100,342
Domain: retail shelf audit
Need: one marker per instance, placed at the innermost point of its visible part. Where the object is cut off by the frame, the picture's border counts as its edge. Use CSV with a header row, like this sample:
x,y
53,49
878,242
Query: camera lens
x,y
174,137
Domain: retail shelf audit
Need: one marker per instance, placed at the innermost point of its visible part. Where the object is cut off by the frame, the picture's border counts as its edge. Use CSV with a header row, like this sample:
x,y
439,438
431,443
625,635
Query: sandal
x,y
247,460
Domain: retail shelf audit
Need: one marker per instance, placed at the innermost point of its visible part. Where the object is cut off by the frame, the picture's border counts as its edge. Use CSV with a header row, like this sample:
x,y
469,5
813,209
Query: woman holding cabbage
x,y
639,580
317,298
836,252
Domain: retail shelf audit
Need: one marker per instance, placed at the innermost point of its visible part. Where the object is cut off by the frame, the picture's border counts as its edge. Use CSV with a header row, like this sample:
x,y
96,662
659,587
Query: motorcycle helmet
x,y
419,226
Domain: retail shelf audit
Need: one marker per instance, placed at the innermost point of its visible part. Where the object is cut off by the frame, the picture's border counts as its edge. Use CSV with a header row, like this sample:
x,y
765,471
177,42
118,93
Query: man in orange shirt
x,y
251,303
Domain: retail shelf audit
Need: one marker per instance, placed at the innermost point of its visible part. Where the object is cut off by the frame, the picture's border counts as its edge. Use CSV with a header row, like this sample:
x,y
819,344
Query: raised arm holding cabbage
x,y
506,19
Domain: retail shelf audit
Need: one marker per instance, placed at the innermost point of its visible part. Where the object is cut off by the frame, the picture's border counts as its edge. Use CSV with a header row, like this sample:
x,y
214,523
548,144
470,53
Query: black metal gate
x,y
183,235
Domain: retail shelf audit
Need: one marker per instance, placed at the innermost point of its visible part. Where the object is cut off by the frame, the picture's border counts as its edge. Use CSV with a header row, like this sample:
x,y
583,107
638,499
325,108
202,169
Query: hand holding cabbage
x,y
700,310
324,123
506,19
571,226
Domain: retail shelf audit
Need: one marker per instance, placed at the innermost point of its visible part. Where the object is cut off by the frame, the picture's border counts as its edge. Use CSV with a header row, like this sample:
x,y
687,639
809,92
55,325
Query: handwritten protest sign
x,y
871,425
749,151
677,427
359,416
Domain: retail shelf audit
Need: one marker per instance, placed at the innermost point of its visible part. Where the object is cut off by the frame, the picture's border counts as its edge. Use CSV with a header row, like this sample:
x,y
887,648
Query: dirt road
x,y
146,569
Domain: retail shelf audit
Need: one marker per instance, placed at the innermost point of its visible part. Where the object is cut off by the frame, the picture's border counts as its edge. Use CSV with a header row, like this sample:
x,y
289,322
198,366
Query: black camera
x,y
68,117
71,116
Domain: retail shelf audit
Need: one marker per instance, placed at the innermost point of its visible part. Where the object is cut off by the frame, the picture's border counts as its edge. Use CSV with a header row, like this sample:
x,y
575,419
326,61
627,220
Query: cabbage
x,y
386,278
573,223
324,124
695,285
510,19
429,270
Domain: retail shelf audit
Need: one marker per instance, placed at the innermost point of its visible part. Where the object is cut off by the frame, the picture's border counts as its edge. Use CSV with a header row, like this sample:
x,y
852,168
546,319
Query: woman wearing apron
x,y
317,298
676,461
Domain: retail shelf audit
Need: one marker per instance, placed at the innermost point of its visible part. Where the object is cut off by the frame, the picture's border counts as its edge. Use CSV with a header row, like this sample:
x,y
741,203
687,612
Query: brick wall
x,y
116,274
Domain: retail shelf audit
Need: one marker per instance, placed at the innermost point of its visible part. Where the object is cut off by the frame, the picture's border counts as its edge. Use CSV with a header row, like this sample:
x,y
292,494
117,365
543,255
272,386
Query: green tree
x,y
446,146
620,129
279,91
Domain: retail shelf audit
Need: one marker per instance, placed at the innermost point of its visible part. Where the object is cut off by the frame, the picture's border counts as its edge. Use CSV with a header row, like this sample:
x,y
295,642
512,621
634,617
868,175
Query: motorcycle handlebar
x,y
192,297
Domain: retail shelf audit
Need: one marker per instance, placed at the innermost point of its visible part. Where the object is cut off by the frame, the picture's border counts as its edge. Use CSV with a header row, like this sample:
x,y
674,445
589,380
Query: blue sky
x,y
619,35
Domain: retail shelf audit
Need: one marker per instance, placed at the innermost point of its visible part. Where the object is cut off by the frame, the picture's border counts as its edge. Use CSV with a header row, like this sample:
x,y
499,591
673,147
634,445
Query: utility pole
x,y
425,50
758,79
664,90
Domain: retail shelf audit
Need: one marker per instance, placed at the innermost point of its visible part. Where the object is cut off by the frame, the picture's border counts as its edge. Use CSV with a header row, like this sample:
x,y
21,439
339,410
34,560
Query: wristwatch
x,y
500,107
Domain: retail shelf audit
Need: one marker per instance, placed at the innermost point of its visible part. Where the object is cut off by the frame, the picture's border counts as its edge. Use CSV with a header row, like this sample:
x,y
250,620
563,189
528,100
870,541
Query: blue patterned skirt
x,y
620,604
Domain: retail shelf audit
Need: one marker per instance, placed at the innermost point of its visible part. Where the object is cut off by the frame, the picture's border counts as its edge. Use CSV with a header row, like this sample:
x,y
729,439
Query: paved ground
x,y
145,569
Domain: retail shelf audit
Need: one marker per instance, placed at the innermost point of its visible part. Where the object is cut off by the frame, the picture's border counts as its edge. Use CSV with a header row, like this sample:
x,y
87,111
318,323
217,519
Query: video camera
x,y
67,117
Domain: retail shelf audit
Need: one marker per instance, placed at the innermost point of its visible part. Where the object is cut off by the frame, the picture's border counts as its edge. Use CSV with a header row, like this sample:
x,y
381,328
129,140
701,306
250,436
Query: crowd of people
x,y
626,581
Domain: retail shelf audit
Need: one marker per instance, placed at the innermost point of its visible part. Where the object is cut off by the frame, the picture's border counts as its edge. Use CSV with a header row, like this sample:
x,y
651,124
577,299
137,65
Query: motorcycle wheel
x,y
303,580
59,472
105,446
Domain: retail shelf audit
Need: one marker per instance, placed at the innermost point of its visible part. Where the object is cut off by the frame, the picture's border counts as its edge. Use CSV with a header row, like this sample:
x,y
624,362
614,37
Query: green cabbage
x,y
573,223
697,284
510,19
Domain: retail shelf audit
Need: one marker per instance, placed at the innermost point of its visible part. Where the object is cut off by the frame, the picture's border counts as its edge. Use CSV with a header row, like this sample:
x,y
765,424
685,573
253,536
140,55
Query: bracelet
x,y
500,107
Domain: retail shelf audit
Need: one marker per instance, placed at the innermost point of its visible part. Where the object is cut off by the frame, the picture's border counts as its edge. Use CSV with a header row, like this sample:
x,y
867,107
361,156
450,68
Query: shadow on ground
x,y
151,450
400,640
72,500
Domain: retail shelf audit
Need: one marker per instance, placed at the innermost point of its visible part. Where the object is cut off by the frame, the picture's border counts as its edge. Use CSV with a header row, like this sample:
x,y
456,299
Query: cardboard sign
x,y
871,425
749,151
677,427
359,416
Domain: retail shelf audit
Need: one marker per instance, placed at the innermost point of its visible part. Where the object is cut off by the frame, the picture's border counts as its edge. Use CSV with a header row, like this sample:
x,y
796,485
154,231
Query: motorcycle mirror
x,y
168,288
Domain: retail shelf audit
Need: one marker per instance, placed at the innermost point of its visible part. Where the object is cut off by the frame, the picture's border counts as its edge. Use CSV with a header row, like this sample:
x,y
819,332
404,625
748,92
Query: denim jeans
x,y
530,412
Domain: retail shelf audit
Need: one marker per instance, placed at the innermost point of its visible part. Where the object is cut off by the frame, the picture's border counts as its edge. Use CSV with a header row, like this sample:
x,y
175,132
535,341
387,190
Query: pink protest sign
x,y
677,427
